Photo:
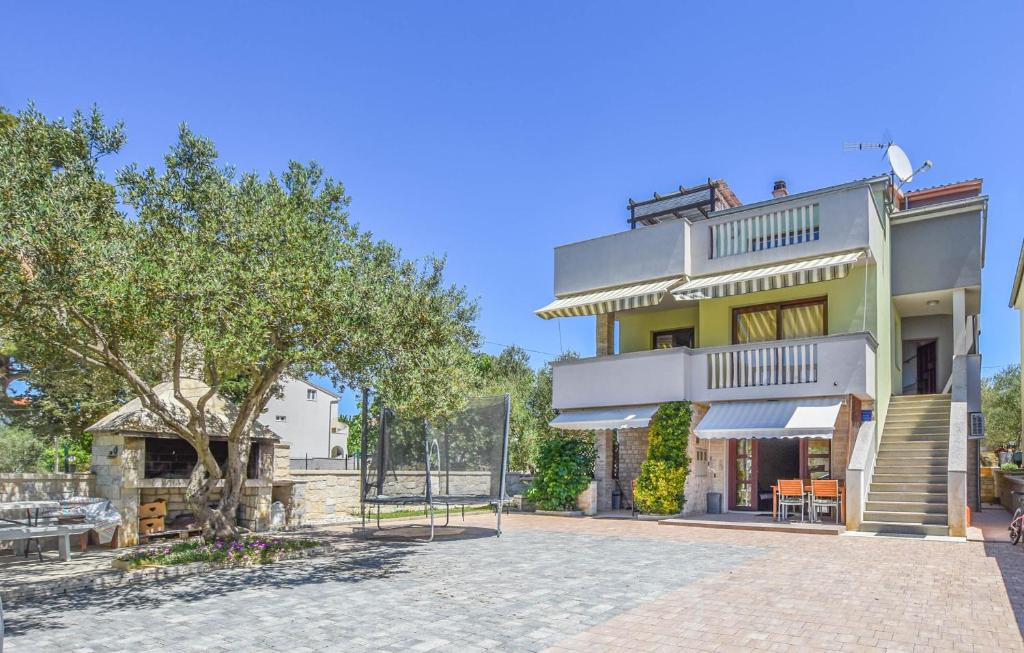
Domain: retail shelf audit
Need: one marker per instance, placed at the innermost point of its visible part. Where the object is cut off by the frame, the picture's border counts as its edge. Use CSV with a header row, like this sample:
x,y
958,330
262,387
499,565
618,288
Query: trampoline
x,y
411,462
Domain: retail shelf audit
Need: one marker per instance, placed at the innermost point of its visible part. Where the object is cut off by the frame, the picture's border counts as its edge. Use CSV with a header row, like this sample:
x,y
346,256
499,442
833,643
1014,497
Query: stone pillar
x,y
117,462
961,339
282,461
587,500
605,343
603,469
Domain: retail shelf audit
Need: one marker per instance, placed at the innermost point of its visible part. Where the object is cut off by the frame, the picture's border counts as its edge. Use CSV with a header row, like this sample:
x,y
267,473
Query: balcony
x,y
807,367
803,226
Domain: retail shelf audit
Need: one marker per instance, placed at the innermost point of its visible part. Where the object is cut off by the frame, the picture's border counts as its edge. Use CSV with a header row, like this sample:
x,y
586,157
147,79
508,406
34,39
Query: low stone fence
x,y
1005,485
333,495
45,486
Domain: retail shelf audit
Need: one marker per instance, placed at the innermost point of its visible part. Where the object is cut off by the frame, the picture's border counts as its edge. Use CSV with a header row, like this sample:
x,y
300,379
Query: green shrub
x,y
20,450
1009,467
565,466
659,488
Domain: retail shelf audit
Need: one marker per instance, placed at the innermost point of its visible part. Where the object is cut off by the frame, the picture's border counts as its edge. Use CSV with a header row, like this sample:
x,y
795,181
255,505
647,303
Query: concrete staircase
x,y
908,487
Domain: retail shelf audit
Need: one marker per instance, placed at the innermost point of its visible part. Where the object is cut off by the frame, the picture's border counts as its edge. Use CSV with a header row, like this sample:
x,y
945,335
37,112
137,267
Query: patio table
x,y
807,489
31,511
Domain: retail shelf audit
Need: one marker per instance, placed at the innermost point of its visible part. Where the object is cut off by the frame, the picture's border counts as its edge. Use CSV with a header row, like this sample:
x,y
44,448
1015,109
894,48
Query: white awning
x,y
771,277
790,418
593,419
606,301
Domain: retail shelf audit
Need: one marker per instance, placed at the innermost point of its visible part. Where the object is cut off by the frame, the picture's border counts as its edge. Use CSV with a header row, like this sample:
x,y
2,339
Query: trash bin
x,y
714,503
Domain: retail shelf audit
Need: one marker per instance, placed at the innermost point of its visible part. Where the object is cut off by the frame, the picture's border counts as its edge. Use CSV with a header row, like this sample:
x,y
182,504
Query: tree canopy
x,y
198,271
1000,402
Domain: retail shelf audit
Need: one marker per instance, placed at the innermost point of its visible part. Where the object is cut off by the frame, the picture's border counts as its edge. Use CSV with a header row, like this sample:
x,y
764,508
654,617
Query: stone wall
x,y
44,486
841,439
632,454
707,467
333,495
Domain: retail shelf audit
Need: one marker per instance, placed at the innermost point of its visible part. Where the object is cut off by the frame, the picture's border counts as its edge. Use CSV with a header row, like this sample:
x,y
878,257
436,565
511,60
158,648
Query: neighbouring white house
x,y
305,415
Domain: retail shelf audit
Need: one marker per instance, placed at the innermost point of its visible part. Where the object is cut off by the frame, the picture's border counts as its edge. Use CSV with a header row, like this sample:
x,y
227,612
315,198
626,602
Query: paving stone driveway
x,y
583,585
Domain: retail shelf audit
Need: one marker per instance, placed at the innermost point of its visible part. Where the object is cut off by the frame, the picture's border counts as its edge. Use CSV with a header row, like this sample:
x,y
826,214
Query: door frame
x,y
753,476
932,379
731,466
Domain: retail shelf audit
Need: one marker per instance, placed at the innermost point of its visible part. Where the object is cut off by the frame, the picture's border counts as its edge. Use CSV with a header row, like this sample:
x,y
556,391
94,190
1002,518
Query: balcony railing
x,y
792,226
807,367
761,365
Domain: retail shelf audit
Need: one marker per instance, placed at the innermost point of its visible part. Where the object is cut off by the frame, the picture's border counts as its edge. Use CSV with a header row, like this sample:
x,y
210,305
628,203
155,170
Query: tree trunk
x,y
217,523
220,522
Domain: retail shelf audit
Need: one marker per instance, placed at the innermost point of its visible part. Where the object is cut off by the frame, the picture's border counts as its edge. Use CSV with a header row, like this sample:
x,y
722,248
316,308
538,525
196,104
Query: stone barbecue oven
x,y
137,459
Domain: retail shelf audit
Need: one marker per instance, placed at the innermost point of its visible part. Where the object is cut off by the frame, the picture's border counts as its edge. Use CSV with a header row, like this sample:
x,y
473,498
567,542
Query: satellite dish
x,y
900,163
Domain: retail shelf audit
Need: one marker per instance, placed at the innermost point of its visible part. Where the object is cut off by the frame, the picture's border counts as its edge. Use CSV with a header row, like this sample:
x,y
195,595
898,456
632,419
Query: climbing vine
x,y
659,488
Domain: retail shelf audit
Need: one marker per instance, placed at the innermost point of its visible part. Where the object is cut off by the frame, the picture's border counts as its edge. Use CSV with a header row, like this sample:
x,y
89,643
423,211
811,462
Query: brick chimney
x,y
780,189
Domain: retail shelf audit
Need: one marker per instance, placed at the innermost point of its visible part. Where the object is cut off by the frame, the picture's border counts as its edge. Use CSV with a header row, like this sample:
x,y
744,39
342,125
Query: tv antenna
x,y
899,162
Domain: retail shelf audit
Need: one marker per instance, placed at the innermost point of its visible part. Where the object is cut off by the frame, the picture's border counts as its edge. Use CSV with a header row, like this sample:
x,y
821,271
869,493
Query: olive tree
x,y
206,273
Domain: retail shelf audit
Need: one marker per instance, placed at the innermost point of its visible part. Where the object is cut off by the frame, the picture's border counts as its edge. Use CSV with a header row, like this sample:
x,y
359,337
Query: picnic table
x,y
27,522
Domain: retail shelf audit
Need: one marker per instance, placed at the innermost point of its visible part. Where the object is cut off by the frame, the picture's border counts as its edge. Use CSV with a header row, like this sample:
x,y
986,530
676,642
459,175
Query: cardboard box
x,y
156,508
151,525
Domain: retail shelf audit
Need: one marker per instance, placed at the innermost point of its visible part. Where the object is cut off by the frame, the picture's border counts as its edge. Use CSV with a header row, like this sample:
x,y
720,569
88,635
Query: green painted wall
x,y
637,328
845,307
846,313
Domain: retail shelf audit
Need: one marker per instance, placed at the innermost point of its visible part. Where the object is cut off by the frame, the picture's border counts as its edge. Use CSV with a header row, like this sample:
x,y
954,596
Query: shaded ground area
x,y
568,584
530,588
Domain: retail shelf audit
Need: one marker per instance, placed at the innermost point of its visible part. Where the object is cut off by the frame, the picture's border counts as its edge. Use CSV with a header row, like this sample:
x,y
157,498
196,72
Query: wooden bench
x,y
62,532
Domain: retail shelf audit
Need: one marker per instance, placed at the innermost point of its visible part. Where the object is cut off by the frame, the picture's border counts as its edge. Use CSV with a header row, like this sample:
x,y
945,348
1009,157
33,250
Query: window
x,y
280,418
310,395
819,459
780,321
674,338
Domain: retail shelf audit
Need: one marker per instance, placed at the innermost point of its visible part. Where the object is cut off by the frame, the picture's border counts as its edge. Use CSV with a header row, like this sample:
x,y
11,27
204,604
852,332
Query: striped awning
x,y
768,278
791,418
607,301
595,419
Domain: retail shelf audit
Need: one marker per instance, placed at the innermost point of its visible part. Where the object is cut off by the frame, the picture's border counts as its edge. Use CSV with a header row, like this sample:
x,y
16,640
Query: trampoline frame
x,y
428,499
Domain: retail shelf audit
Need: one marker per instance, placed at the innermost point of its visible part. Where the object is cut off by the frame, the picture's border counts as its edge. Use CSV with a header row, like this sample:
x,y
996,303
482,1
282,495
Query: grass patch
x,y
249,550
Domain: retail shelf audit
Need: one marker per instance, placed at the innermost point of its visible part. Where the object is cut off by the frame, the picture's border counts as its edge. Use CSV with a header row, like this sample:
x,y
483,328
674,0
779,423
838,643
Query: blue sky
x,y
493,132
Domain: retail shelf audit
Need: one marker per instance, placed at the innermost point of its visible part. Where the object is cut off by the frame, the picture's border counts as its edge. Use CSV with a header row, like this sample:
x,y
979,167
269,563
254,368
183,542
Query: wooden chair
x,y
824,494
791,495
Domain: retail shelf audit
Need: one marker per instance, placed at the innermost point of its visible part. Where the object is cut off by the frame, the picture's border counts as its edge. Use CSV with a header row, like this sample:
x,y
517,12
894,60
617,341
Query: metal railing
x,y
338,464
763,365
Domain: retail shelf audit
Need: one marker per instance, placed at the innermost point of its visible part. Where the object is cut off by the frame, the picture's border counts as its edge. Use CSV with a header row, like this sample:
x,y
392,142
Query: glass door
x,y
743,457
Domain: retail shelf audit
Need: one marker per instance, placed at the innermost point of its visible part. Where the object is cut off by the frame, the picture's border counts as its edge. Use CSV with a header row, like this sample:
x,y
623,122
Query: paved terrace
x,y
565,584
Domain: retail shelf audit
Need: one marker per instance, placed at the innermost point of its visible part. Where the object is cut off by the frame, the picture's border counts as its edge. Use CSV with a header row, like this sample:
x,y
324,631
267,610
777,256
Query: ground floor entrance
x,y
757,464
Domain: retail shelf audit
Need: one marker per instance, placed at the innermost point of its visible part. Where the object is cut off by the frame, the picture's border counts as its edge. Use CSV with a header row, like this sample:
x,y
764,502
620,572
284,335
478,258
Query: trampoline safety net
x,y
459,462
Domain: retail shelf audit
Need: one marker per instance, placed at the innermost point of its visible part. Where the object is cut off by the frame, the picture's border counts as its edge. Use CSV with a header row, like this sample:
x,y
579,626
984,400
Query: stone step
x,y
898,467
908,486
906,399
894,438
903,528
909,477
918,412
911,429
913,459
901,419
918,507
905,517
914,447
915,497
